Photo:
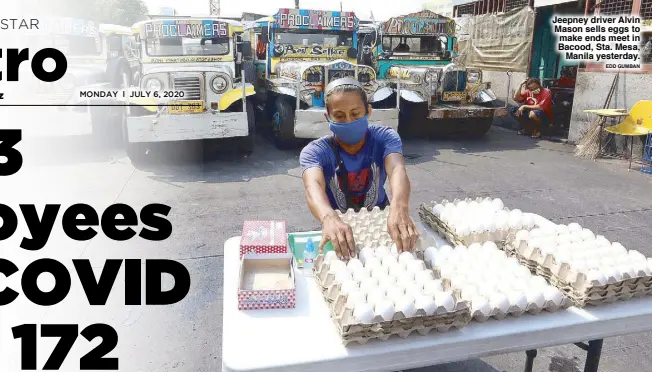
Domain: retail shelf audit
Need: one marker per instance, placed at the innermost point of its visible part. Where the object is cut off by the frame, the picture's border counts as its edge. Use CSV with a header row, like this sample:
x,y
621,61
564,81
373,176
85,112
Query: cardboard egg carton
x,y
437,224
400,325
575,283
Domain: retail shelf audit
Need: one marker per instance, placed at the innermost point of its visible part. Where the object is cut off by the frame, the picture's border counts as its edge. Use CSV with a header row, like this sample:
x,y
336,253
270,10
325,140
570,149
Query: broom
x,y
589,145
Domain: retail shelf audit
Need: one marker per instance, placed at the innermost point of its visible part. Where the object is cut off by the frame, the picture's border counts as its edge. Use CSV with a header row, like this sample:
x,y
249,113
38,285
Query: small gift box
x,y
263,237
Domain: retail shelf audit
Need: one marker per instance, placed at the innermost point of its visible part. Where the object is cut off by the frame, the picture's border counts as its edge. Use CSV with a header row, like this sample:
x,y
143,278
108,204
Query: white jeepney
x,y
193,74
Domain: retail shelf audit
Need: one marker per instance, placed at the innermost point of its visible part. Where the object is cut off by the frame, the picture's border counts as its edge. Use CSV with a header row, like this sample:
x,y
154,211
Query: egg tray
x,y
351,332
428,217
574,284
369,227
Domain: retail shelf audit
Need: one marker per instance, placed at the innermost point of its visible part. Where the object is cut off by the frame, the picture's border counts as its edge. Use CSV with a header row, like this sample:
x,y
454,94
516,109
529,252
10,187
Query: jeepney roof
x,y
424,22
108,29
234,25
260,22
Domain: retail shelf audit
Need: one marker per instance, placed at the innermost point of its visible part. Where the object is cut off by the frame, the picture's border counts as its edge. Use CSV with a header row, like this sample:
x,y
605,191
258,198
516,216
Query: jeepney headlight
x,y
473,77
432,76
219,84
364,77
153,84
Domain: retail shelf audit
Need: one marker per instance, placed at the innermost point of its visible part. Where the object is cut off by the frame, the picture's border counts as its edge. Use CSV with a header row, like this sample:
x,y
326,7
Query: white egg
x,y
522,235
480,304
618,248
394,250
396,270
376,295
354,264
424,276
574,237
437,210
528,221
363,313
502,222
474,248
511,263
395,292
518,299
404,258
463,229
355,297
367,285
414,290
415,266
522,272
627,271
406,306
379,272
538,282
515,222
349,286
372,263
497,204
366,253
637,256
574,227
587,235
382,252
430,253
562,229
563,240
433,286
336,266
445,300
613,273
426,303
330,256
596,277
388,261
386,281
361,274
499,301
343,275
602,241
553,294
384,309
535,296
405,280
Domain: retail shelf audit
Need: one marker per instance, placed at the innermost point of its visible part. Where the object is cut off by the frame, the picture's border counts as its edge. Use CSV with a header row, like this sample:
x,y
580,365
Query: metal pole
x,y
593,356
529,360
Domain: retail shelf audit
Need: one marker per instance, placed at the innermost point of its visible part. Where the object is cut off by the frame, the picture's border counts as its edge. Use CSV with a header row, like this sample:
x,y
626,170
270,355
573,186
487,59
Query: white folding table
x,y
305,339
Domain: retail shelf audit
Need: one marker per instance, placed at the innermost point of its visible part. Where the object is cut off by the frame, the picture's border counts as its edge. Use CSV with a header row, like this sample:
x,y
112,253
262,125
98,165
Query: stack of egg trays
x,y
369,227
496,313
428,217
351,332
575,284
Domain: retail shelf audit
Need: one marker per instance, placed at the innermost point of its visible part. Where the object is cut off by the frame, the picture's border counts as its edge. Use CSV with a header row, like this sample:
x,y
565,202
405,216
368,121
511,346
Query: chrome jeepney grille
x,y
454,81
190,86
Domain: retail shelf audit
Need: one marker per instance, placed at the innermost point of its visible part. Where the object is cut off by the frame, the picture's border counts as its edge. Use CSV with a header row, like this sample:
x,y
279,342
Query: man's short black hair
x,y
533,80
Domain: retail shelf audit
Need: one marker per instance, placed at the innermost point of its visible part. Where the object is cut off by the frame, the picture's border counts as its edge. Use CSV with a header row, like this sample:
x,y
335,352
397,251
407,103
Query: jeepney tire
x,y
284,135
247,144
249,72
106,125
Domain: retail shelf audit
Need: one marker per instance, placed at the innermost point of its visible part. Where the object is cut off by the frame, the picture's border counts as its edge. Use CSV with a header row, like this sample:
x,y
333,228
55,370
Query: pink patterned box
x,y
263,237
266,282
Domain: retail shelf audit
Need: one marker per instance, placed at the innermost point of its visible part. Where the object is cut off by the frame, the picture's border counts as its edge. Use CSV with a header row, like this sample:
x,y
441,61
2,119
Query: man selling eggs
x,y
349,169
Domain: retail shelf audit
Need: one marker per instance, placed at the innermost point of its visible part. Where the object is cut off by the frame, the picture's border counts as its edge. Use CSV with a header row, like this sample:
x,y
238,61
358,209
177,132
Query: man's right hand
x,y
339,234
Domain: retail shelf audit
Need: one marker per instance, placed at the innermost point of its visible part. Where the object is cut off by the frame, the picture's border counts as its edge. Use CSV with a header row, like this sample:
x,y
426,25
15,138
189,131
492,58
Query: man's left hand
x,y
401,229
520,110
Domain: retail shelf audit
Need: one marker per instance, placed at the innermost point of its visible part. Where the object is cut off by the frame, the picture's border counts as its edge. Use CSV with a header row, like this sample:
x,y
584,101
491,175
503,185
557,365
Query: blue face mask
x,y
350,133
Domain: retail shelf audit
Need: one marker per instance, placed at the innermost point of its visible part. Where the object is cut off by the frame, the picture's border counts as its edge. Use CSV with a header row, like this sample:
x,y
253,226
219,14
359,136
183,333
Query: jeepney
x,y
192,72
298,52
415,54
100,57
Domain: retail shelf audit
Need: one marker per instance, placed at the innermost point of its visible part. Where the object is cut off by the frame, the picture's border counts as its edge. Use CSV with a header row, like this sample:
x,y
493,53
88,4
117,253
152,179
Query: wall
x,y
591,91
499,84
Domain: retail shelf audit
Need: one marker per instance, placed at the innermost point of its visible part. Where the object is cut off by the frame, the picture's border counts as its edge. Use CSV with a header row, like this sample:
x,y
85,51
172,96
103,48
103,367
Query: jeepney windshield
x,y
175,47
327,38
70,45
415,44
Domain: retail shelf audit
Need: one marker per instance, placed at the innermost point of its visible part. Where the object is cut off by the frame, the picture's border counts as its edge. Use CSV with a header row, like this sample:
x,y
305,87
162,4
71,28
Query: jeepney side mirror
x,y
352,53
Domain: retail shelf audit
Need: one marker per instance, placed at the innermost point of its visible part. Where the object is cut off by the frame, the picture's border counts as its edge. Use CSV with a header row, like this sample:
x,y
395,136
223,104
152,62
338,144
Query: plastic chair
x,y
637,123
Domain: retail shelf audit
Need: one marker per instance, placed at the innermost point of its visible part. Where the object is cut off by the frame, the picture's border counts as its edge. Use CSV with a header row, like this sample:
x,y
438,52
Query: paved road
x,y
210,201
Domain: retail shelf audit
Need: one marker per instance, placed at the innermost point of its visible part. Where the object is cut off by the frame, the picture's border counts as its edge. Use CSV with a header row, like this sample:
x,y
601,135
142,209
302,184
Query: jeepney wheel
x,y
137,152
283,123
247,143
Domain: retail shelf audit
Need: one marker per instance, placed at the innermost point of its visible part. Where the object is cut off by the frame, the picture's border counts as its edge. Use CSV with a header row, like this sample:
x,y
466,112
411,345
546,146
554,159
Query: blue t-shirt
x,y
366,169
